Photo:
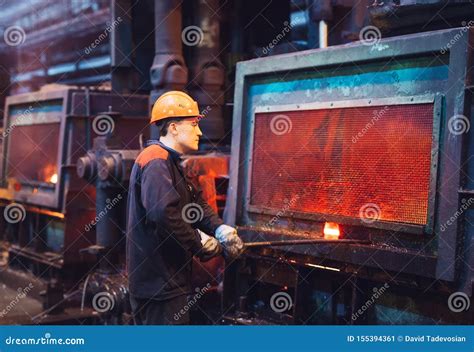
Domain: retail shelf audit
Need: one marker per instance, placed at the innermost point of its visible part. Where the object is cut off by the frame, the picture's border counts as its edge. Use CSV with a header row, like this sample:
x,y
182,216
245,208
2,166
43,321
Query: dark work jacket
x,y
160,243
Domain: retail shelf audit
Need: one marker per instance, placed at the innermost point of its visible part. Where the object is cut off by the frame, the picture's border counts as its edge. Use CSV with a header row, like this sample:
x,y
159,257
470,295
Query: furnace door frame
x,y
54,199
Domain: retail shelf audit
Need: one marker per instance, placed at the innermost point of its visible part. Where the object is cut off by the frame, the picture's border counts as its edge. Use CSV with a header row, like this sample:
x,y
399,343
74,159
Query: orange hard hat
x,y
174,104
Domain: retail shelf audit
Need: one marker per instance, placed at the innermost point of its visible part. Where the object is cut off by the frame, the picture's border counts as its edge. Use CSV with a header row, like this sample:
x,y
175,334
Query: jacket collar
x,y
174,154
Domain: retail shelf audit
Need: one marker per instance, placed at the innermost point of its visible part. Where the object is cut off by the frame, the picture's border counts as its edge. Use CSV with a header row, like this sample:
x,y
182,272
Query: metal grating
x,y
370,162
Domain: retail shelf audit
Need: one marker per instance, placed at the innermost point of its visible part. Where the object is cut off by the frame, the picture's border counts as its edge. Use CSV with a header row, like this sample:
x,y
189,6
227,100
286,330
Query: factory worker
x,y
168,222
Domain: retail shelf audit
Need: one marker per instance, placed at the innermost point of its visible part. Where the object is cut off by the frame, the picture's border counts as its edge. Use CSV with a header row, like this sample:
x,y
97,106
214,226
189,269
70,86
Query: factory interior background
x,y
337,140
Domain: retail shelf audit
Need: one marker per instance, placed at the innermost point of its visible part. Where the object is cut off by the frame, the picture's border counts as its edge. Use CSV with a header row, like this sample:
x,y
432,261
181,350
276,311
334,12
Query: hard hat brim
x,y
199,117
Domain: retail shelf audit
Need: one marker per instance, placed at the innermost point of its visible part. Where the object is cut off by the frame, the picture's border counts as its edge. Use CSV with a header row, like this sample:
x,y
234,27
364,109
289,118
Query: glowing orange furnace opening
x,y
331,231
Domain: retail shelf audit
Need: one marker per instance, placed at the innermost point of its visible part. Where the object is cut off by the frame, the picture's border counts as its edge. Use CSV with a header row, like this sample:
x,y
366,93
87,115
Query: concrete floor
x,y
17,308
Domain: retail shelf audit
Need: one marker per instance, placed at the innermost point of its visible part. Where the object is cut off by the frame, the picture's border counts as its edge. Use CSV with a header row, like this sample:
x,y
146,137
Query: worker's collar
x,y
174,154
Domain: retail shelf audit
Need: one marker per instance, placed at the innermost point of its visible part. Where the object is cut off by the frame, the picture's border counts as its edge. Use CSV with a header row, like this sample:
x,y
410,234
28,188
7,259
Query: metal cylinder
x,y
110,205
168,27
107,168
323,34
207,80
86,167
168,72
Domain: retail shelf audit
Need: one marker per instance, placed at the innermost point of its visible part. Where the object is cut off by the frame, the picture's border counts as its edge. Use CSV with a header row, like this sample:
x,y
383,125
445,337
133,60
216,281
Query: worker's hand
x,y
210,247
230,241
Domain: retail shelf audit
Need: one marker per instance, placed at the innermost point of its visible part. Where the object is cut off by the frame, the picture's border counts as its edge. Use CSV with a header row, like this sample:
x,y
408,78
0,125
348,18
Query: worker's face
x,y
188,134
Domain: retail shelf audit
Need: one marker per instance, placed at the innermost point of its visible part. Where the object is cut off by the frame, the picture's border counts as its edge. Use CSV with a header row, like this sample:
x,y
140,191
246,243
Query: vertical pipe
x,y
168,25
121,45
168,71
323,34
109,224
207,80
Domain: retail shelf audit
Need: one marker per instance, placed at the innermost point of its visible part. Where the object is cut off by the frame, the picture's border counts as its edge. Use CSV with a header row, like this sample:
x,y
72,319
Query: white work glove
x,y
210,247
230,241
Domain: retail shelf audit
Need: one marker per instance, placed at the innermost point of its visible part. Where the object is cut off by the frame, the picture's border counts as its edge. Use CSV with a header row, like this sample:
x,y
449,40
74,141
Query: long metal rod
x,y
301,242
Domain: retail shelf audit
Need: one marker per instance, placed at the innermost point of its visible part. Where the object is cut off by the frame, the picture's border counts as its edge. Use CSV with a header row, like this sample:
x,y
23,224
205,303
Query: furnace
x,y
362,142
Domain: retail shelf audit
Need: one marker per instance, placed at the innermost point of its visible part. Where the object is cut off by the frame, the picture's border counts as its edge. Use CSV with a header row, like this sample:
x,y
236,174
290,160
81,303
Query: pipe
x,y
207,70
168,25
323,34
168,72
109,226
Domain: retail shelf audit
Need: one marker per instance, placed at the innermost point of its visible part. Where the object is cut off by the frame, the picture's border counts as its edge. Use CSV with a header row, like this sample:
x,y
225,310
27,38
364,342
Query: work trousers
x,y
174,311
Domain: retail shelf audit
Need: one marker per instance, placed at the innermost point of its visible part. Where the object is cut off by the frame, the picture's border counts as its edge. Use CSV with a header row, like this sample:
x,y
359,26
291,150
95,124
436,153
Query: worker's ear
x,y
172,128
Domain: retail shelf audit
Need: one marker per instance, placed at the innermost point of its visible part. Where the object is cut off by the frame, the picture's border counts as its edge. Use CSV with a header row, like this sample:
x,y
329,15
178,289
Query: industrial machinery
x,y
49,213
367,141
350,177
67,157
